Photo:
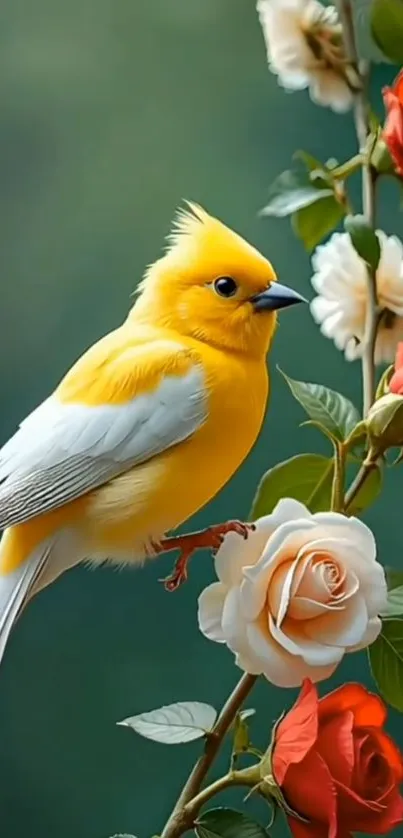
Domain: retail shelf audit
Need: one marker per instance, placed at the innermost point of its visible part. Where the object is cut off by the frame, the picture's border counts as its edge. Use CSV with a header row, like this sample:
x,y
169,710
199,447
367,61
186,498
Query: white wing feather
x,y
62,451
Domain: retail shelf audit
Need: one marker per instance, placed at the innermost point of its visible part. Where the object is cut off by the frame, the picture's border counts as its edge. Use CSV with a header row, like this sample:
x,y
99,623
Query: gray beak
x,y
275,297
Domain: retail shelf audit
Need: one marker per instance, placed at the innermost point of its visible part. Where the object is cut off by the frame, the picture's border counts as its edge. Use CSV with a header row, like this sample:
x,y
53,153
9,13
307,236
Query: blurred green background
x,y
111,113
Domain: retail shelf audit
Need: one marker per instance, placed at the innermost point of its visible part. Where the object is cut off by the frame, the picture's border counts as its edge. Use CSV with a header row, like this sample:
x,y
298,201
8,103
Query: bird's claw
x,y
212,538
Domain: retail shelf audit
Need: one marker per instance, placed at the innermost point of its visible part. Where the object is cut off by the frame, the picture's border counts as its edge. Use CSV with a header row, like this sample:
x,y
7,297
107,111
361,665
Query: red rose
x,y
396,382
336,766
393,129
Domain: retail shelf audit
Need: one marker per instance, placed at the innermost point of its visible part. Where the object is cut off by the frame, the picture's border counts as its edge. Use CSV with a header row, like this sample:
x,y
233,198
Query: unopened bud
x,y
385,424
381,159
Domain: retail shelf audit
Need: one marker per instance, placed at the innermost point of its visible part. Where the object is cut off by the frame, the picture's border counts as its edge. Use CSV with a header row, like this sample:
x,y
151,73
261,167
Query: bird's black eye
x,y
225,286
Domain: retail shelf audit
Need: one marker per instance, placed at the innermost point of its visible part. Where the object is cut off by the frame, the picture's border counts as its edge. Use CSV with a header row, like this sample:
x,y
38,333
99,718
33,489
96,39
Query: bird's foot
x,y
212,538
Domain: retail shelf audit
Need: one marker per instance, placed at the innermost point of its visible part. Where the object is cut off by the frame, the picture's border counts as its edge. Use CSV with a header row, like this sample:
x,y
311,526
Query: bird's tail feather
x,y
15,587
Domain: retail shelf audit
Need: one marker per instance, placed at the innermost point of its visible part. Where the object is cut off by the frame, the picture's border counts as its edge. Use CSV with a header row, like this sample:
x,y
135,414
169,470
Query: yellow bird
x,y
149,423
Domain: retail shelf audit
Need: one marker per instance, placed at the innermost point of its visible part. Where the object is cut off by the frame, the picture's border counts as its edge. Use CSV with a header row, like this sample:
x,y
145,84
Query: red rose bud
x,y
335,765
396,382
393,128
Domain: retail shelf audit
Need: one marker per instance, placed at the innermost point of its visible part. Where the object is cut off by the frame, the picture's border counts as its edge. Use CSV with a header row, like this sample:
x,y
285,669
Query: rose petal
x,y
350,554
302,608
296,643
300,781
279,667
340,628
236,551
297,732
211,606
391,753
313,583
371,633
289,509
233,623
368,709
282,546
335,745
354,530
336,551
248,663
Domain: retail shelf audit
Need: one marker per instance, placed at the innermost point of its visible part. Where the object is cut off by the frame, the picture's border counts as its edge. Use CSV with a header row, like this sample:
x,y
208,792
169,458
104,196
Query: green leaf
x,y
367,49
247,713
241,736
384,381
305,477
291,191
335,414
394,606
311,163
174,723
364,239
387,28
357,437
228,823
394,578
386,659
367,494
312,223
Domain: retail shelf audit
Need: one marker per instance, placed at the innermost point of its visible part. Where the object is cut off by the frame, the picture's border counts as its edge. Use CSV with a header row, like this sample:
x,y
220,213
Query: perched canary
x,y
149,423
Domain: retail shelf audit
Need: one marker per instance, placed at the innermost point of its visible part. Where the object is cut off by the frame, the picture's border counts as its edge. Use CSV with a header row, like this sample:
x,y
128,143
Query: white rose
x,y
299,593
304,49
340,280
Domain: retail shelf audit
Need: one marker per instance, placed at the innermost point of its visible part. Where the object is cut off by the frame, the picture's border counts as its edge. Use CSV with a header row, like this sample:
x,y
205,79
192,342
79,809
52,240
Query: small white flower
x,y
304,48
340,279
299,593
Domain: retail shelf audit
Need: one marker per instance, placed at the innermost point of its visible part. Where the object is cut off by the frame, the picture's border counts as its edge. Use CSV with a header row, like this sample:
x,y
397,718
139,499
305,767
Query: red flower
x,y
393,129
336,766
396,382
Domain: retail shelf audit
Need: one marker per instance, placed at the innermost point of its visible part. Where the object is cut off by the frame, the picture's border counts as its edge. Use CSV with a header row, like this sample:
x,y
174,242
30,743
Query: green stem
x,y
337,499
322,482
359,480
348,168
369,175
178,822
246,777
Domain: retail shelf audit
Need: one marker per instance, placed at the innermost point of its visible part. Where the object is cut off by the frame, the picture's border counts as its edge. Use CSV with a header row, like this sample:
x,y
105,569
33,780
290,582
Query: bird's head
x,y
214,286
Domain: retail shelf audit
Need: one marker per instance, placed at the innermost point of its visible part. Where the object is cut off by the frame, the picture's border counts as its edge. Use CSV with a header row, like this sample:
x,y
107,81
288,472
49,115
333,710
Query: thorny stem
x,y
361,118
182,815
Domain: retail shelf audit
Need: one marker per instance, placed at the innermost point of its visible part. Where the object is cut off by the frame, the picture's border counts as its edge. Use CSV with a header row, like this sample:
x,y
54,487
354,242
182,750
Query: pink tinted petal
x,y
340,628
278,666
297,643
396,382
282,547
302,608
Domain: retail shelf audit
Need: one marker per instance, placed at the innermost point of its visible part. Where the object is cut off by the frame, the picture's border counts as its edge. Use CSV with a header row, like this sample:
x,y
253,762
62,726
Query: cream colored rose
x,y
299,593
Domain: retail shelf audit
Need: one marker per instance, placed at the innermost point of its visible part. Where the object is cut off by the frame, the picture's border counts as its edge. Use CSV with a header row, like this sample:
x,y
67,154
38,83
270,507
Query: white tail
x,y
16,586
